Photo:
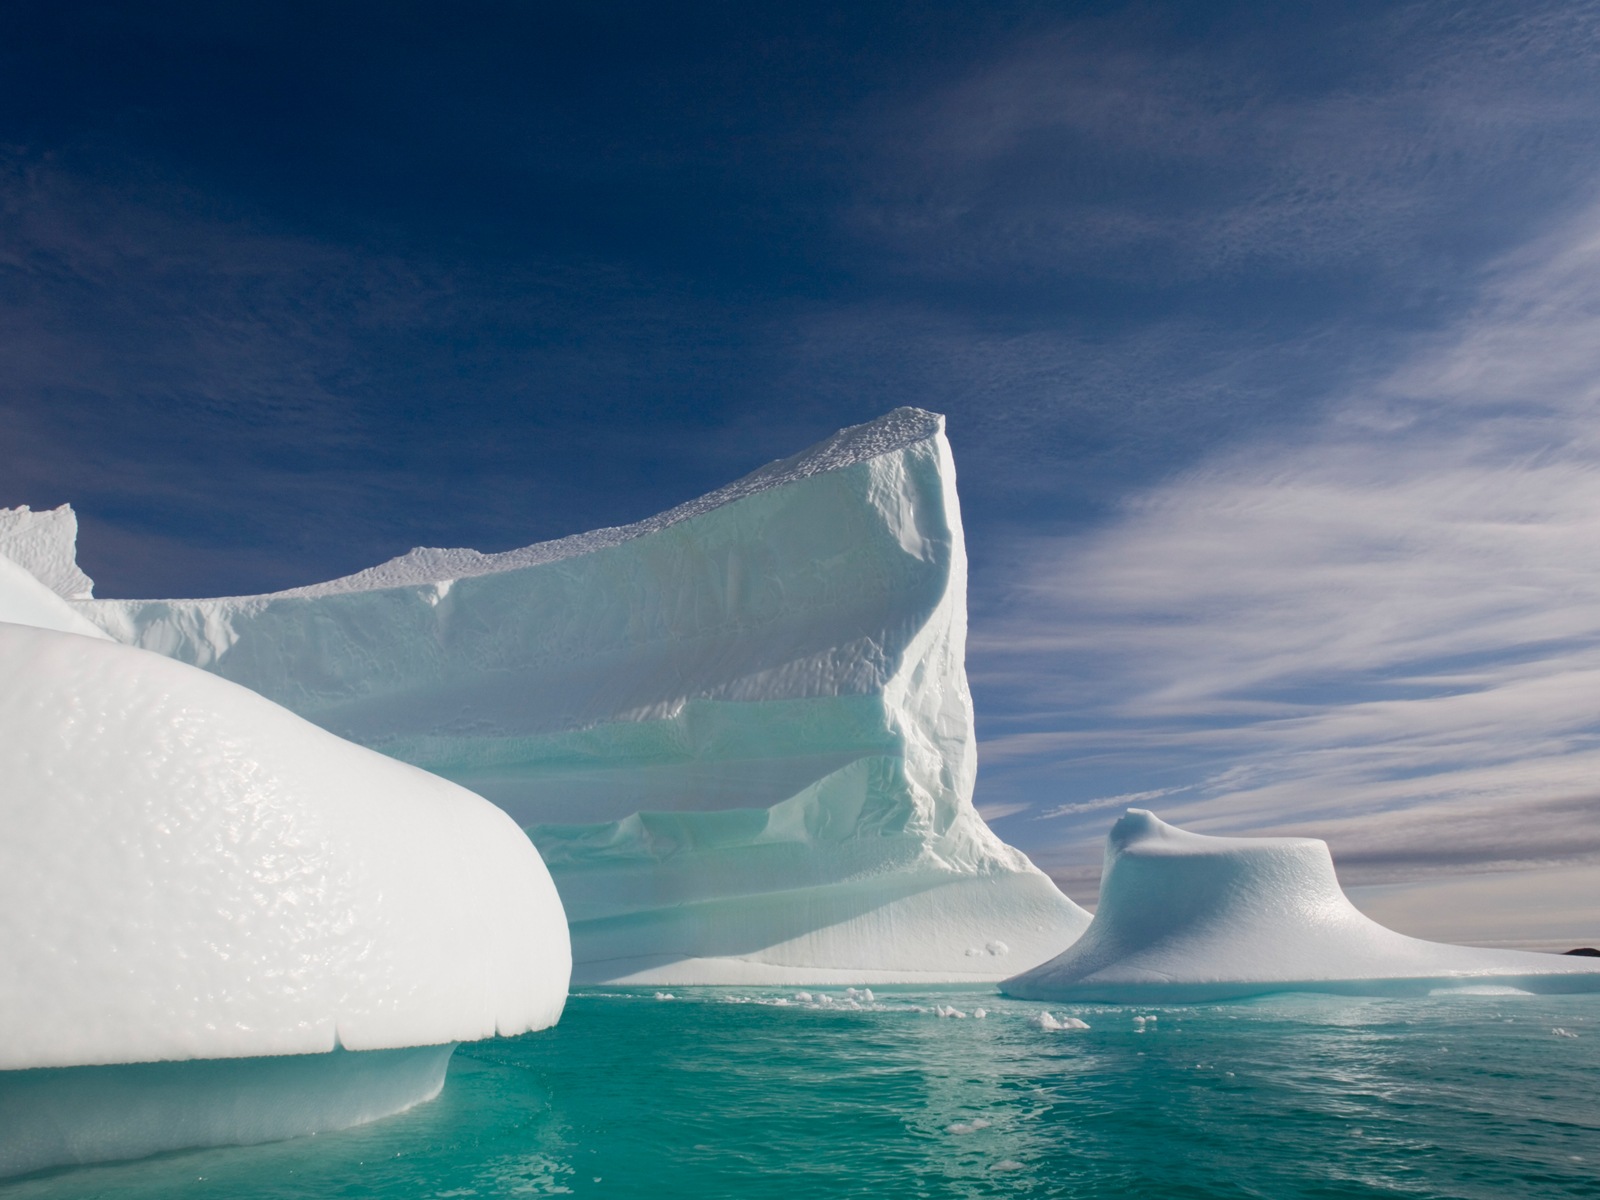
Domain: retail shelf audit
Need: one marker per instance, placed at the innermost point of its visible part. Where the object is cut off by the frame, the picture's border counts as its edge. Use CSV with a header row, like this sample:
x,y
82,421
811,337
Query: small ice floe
x,y
1559,1032
1138,1024
665,996
1048,1021
979,1014
971,1126
945,1010
1007,1164
803,997
859,995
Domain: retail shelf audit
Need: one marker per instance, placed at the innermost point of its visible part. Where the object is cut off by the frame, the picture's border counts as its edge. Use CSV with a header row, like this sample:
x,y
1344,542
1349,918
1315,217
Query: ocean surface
x,y
757,1093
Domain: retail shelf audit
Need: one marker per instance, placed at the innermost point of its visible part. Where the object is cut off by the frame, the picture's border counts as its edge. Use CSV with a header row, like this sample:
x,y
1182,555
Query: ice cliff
x,y
1185,917
739,732
190,873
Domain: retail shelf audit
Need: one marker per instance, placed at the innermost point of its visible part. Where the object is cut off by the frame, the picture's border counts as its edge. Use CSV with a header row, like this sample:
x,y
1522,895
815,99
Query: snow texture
x,y
26,601
45,544
1185,917
739,732
189,871
77,1115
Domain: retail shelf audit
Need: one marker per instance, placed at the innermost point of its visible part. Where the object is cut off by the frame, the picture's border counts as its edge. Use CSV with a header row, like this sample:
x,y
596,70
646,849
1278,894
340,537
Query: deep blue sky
x,y
1234,309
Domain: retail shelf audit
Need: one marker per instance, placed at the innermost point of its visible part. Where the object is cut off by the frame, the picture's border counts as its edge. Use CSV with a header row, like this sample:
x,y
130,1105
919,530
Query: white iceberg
x,y
190,873
739,732
1184,917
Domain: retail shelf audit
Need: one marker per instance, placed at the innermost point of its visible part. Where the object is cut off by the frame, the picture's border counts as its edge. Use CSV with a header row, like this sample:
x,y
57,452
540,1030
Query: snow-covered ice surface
x,y
1184,917
190,871
26,601
739,732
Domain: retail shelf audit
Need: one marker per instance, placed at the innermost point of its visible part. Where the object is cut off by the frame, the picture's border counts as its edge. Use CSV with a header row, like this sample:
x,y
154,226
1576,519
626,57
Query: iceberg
x,y
1184,917
219,922
739,732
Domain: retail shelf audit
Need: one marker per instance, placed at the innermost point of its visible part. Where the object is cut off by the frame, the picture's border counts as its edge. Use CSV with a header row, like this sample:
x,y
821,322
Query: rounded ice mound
x,y
189,871
1186,917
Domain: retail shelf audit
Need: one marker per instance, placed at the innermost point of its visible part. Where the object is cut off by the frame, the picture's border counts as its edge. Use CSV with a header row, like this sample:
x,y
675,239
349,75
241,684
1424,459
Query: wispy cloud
x,y
1108,804
1385,630
1114,145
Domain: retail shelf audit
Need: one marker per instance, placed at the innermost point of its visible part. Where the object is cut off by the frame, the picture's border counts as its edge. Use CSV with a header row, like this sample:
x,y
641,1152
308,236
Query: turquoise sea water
x,y
729,1093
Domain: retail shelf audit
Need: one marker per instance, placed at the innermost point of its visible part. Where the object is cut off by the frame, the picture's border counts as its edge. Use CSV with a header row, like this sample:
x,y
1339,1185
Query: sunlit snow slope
x,y
1185,917
190,871
739,732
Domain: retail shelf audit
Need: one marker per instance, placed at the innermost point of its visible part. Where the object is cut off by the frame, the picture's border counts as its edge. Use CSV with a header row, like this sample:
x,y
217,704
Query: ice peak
x,y
45,544
1137,825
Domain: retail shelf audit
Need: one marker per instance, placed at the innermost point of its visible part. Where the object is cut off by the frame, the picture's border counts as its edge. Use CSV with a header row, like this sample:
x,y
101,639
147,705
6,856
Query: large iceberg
x,y
1186,917
221,923
739,732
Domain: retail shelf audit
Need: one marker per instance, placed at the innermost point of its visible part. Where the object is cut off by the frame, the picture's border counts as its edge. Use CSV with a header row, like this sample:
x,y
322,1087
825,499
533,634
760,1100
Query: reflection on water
x,y
734,1093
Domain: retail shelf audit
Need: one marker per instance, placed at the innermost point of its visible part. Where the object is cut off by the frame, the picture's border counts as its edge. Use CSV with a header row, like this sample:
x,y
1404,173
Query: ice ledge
x,y
74,1116
888,434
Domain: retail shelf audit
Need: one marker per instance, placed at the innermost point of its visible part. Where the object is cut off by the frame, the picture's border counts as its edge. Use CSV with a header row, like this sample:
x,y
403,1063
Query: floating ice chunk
x,y
863,995
740,732
665,996
979,1014
972,1126
1007,1164
1559,1032
803,997
190,872
1048,1021
945,1010
1185,917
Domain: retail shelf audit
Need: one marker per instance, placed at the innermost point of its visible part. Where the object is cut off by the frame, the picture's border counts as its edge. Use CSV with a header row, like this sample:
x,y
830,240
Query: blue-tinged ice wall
x,y
739,732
